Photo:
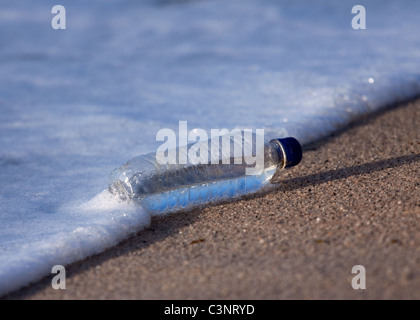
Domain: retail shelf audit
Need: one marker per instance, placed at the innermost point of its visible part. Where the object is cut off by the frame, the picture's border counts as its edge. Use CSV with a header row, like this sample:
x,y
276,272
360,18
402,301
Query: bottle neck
x,y
281,154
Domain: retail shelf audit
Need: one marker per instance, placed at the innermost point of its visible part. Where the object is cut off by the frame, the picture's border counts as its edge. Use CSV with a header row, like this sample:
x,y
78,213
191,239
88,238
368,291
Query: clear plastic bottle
x,y
162,188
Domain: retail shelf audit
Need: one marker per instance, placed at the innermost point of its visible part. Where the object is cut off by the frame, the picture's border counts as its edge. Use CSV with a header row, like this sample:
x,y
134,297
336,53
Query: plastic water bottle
x,y
163,188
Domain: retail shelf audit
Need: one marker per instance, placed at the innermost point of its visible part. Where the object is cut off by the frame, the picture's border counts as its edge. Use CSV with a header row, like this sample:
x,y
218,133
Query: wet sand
x,y
354,200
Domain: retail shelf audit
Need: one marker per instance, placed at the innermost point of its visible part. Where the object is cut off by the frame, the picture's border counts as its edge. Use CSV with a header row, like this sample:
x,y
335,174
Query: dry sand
x,y
354,200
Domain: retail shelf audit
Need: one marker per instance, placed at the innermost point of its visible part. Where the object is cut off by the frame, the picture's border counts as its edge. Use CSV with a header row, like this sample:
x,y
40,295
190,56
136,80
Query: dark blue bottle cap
x,y
292,150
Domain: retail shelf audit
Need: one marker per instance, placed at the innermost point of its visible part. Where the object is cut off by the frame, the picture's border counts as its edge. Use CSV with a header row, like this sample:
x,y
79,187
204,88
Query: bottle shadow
x,y
345,172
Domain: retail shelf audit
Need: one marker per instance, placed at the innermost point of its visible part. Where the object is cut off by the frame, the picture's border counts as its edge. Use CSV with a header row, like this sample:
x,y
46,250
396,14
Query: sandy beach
x,y
354,200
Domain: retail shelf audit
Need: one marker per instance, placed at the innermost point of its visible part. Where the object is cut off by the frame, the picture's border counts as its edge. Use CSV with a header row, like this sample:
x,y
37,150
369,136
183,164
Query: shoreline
x,y
352,201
